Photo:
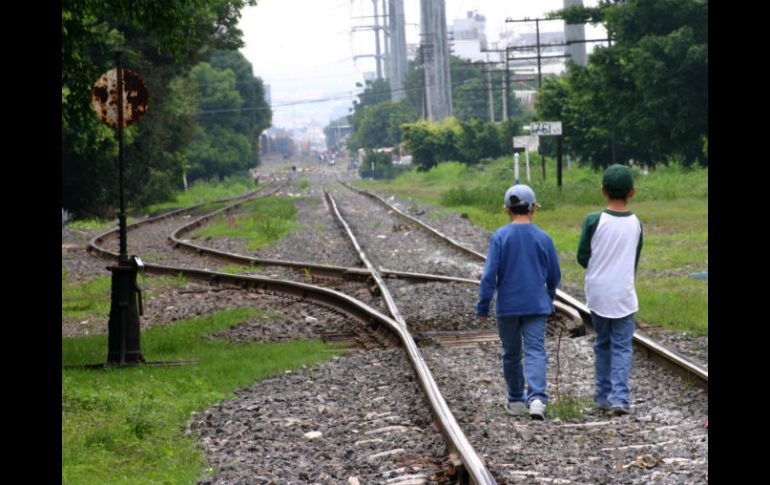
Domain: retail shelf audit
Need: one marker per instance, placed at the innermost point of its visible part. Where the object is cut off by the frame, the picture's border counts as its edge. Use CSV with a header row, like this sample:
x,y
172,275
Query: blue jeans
x,y
612,351
530,328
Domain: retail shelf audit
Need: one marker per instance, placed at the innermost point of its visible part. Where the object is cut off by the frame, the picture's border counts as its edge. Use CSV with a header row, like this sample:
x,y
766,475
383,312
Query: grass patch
x,y
266,222
200,192
126,425
98,225
303,184
80,301
239,268
568,407
92,298
671,202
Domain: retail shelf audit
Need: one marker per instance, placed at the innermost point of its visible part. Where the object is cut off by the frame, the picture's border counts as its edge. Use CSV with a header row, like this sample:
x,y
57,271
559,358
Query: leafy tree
x,y
160,40
645,97
380,125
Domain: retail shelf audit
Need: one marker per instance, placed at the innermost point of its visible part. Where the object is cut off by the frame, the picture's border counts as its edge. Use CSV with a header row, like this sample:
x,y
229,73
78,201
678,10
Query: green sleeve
x,y
584,246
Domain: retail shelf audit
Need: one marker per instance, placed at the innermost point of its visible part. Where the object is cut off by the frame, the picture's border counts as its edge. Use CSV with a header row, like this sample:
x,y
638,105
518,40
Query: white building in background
x,y
511,38
469,37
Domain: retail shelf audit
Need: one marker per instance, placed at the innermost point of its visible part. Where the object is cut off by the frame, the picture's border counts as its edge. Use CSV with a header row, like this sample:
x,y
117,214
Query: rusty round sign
x,y
104,98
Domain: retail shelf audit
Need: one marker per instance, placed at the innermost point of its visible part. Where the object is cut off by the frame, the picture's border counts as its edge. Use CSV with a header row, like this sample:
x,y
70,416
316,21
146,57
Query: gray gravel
x,y
665,429
261,433
357,417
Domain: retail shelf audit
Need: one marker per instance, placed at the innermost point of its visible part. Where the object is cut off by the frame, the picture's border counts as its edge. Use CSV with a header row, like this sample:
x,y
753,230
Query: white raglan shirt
x,y
609,280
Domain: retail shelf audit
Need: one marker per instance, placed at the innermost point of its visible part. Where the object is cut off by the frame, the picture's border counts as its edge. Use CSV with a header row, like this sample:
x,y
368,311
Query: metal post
x,y
526,156
515,169
123,340
122,215
539,74
378,57
558,161
490,97
506,100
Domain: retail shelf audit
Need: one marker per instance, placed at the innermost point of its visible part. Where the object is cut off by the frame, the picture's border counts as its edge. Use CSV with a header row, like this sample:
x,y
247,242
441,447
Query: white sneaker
x,y
537,409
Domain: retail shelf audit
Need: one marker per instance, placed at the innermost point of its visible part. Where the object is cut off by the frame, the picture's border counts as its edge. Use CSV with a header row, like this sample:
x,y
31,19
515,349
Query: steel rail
x,y
93,246
458,443
659,354
385,293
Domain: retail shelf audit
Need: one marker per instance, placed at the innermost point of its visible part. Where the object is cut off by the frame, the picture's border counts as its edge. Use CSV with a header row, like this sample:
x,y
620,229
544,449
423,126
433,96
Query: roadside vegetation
x,y
201,192
267,220
671,202
120,425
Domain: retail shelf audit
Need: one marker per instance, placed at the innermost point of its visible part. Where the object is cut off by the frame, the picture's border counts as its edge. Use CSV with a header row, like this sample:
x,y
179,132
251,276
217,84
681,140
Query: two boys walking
x,y
523,269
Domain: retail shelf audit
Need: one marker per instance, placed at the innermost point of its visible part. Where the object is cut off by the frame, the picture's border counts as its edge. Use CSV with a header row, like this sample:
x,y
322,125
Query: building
x,y
468,37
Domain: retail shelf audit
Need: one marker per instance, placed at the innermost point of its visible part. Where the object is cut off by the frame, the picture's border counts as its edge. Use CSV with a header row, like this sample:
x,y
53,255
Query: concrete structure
x,y
577,51
435,60
469,37
397,57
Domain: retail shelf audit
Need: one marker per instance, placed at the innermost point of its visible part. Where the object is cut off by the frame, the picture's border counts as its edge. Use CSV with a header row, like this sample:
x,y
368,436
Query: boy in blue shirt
x,y
609,248
523,268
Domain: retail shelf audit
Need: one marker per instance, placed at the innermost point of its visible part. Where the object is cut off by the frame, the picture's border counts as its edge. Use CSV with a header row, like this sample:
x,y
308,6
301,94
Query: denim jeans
x,y
530,329
612,352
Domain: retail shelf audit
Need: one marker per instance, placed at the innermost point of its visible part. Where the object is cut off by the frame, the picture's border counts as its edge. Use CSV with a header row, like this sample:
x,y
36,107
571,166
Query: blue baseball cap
x,y
520,195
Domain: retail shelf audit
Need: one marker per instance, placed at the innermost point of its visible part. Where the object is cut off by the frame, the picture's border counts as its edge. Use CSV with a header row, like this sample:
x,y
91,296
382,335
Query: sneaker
x,y
515,408
620,410
537,409
604,406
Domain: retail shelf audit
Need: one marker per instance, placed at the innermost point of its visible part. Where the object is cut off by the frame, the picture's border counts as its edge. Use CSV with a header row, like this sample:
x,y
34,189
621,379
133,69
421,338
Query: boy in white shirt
x,y
609,248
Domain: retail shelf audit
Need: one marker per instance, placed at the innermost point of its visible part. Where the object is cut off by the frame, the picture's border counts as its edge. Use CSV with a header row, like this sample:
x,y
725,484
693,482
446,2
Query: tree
x,y
645,97
159,40
380,125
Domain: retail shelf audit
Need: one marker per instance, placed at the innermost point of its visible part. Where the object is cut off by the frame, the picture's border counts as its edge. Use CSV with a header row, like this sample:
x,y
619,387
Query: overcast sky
x,y
304,49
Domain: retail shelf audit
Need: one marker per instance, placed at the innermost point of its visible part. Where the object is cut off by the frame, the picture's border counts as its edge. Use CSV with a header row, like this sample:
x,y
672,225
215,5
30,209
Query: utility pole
x,y
435,59
397,64
378,58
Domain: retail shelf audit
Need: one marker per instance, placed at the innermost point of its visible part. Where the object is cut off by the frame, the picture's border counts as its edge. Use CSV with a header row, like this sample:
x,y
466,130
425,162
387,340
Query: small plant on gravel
x,y
568,407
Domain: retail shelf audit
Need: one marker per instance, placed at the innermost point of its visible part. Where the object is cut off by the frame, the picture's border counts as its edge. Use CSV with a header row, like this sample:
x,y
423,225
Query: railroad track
x,y
661,355
385,330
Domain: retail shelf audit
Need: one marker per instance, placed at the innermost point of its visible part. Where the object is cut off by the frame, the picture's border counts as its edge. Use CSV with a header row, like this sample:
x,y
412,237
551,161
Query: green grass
x,y
303,184
671,202
200,192
126,425
84,300
97,224
89,299
267,221
238,268
568,407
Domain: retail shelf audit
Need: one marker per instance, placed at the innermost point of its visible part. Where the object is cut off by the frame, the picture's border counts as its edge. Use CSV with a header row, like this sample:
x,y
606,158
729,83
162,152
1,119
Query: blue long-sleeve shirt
x,y
523,267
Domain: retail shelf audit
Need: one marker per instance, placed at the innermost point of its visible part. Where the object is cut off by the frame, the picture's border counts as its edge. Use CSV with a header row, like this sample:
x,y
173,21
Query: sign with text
x,y
545,128
531,142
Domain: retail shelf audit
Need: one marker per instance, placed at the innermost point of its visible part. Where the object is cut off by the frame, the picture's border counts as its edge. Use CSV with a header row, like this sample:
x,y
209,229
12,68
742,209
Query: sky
x,y
305,49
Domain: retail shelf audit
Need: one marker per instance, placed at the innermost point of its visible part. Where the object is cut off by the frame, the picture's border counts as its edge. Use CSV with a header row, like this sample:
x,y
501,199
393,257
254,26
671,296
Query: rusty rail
x,y
659,354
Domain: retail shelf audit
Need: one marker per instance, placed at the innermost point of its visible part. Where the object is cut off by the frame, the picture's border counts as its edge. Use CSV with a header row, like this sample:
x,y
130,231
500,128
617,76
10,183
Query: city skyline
x,y
305,50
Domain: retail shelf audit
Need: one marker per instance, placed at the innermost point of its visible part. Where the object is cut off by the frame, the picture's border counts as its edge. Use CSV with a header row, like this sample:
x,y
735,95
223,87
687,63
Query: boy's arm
x,y
584,246
554,271
489,278
639,247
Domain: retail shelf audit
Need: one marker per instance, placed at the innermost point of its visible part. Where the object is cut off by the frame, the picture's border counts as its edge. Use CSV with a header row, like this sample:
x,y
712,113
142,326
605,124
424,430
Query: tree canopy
x,y
161,42
645,97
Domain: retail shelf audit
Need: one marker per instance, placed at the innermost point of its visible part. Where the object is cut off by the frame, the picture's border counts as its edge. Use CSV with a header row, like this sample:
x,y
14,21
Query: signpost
x,y
550,128
527,143
119,98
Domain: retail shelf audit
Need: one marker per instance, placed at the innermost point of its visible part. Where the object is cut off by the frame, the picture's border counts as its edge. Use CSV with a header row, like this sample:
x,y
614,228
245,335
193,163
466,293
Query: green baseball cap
x,y
618,181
